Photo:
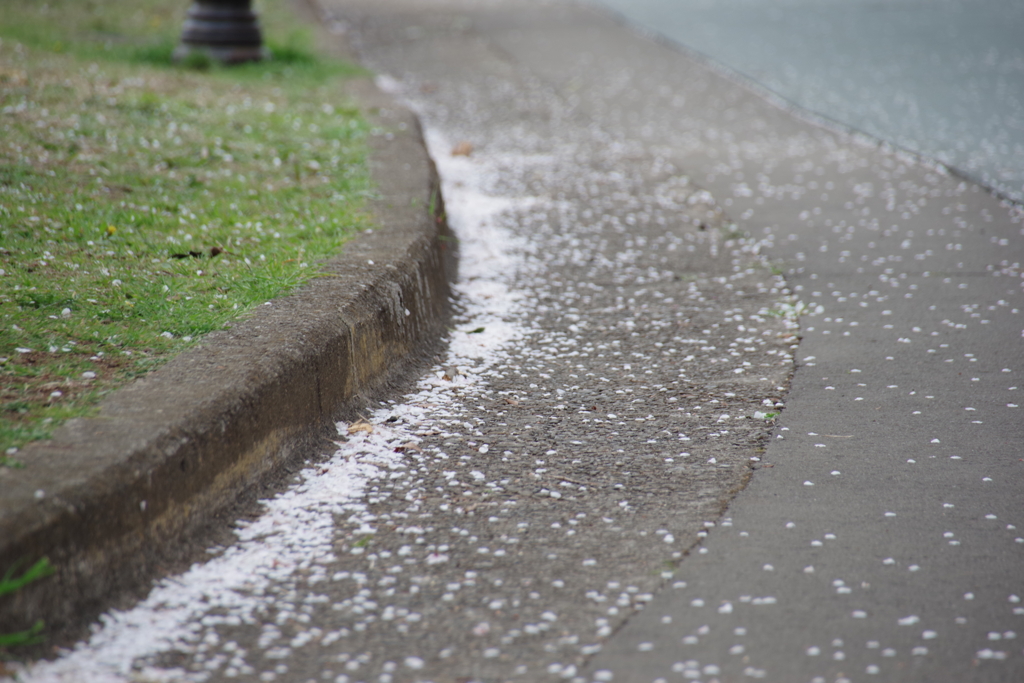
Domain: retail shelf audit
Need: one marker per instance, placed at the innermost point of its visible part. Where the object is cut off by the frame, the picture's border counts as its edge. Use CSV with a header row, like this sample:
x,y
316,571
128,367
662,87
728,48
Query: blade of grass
x,y
11,583
29,636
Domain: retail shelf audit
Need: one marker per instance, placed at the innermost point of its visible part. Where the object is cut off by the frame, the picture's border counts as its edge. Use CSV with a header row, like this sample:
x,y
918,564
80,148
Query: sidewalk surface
x,y
884,541
590,485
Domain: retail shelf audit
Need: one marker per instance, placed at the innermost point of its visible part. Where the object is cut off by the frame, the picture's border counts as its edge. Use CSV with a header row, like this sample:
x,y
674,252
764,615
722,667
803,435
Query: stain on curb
x,y
111,500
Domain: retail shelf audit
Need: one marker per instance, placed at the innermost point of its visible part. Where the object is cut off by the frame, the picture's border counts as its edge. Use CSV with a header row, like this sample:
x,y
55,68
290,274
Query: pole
x,y
225,31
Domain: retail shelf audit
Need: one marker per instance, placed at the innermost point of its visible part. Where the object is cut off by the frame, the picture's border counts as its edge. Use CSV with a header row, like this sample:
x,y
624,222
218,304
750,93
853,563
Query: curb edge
x,y
124,491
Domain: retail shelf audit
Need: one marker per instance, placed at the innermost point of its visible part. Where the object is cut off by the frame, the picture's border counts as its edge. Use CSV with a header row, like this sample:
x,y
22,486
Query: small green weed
x,y
10,584
733,233
197,61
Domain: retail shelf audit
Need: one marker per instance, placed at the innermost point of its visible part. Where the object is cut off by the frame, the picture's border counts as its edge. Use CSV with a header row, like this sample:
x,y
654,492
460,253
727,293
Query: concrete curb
x,y
115,499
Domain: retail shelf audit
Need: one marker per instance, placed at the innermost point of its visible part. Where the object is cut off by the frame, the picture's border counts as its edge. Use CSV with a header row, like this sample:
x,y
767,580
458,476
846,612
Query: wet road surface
x,y
944,78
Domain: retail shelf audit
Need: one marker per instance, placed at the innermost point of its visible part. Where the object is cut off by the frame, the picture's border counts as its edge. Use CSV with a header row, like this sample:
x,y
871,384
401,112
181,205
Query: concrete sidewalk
x,y
883,543
142,487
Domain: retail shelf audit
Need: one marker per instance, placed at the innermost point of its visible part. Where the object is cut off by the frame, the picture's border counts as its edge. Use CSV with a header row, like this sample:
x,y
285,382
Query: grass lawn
x,y
144,204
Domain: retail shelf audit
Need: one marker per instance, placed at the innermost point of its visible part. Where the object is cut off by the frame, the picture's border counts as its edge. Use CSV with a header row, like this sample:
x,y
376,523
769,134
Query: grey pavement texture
x,y
115,499
589,485
918,275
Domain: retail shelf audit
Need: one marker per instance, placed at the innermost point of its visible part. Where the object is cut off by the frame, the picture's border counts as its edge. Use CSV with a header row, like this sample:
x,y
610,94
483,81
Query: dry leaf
x,y
462,149
360,426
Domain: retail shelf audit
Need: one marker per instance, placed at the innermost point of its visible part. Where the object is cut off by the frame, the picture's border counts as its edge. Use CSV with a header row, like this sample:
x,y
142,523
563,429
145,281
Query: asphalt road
x,y
593,483
944,78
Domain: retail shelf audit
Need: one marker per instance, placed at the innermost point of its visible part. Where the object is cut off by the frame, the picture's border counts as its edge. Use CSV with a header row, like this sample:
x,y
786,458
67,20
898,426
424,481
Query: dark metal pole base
x,y
226,31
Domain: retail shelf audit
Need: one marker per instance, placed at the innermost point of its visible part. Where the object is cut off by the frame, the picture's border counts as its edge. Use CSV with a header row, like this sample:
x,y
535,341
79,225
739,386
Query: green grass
x,y
144,204
11,584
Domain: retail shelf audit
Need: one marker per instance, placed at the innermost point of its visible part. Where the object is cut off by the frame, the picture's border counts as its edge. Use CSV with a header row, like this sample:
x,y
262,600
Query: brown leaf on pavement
x,y
462,149
360,426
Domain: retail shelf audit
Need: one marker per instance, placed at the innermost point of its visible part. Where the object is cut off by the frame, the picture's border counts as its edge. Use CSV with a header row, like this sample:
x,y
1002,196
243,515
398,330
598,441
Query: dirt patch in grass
x,y
143,205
